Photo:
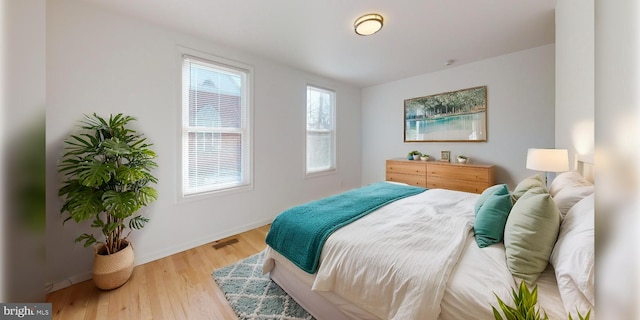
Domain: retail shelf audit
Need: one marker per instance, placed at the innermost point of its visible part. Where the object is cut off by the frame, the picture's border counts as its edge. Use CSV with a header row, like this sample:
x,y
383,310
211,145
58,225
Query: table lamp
x,y
548,160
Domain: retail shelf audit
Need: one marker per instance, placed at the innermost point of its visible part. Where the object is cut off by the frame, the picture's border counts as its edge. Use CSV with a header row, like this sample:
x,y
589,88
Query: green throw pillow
x,y
498,189
530,234
492,209
533,182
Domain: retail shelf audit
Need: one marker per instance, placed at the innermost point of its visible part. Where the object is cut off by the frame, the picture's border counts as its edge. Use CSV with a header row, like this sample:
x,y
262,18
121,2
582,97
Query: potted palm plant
x,y
107,172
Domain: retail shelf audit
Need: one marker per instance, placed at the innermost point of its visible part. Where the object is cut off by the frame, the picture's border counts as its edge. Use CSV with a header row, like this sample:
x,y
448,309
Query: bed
x,y
433,255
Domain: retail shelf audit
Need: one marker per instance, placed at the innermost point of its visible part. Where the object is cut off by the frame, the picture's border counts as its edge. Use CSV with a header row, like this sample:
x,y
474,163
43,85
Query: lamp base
x,y
546,179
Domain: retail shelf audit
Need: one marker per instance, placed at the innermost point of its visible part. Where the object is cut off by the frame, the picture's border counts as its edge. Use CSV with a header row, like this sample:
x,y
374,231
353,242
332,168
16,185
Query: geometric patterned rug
x,y
253,296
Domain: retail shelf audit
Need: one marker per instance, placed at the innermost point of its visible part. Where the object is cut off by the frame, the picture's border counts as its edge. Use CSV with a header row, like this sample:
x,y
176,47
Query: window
x,y
216,146
321,150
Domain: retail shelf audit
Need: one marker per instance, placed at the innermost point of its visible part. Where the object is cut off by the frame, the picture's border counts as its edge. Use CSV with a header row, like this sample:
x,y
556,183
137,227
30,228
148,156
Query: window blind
x,y
320,144
215,127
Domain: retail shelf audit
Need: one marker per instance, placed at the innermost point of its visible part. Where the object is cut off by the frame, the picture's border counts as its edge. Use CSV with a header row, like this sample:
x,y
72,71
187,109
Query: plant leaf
x,y
138,222
525,302
496,314
149,153
580,316
115,147
95,174
110,227
82,203
147,195
128,175
97,223
120,204
83,142
88,239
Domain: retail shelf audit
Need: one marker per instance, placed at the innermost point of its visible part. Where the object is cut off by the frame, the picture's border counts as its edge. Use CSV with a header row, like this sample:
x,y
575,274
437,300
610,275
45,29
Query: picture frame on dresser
x,y
445,156
456,116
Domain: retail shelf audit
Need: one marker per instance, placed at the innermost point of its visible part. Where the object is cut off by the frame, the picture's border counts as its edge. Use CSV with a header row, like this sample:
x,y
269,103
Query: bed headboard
x,y
586,169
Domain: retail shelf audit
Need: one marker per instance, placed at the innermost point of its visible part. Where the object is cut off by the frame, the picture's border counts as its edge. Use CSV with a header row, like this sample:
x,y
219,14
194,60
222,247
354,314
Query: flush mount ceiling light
x,y
368,24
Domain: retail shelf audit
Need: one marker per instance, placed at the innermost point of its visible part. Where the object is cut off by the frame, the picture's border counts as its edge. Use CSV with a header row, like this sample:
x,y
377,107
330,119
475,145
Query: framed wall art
x,y
456,116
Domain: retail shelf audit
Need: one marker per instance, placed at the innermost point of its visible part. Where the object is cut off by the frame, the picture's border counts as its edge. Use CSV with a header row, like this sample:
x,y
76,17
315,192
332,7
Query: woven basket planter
x,y
112,271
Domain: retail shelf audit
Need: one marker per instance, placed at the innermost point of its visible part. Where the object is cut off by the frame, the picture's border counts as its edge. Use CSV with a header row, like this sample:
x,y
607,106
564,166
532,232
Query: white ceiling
x,y
418,36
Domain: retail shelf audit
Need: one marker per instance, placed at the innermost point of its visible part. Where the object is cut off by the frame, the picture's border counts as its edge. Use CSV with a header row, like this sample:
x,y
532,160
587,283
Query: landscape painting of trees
x,y
451,116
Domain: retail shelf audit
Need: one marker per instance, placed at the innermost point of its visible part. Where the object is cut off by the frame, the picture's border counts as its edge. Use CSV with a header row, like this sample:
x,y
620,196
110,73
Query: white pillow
x,y
573,257
568,197
566,180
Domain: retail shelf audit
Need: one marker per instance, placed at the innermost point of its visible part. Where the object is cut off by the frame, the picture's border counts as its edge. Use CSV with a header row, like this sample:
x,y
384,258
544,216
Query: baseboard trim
x,y
54,286
142,259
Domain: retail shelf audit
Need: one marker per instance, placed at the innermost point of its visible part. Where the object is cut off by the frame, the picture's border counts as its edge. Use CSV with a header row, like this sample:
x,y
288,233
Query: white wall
x,y
104,62
520,89
575,79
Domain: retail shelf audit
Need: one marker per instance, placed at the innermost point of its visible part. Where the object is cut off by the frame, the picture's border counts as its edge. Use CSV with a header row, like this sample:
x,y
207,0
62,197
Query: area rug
x,y
253,296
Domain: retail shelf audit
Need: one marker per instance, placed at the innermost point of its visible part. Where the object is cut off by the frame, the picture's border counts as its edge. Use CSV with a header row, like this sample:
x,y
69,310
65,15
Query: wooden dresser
x,y
445,175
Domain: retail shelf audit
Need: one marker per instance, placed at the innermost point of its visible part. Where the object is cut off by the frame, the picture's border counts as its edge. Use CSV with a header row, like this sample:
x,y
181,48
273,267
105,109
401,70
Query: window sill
x,y
214,193
321,173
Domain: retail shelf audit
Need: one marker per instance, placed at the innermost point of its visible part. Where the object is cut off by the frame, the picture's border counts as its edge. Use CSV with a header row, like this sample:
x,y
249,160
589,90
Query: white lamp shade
x,y
550,160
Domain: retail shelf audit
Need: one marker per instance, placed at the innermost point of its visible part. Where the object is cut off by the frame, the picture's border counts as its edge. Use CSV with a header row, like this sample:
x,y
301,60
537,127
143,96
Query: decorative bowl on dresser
x,y
444,175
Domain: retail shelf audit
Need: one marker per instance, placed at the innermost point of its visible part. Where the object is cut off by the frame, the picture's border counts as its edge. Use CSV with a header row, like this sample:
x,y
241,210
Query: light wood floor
x,y
176,287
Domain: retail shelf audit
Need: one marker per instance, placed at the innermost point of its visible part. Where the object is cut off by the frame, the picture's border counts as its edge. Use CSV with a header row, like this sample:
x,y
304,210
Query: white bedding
x,y
479,274
469,293
423,263
418,242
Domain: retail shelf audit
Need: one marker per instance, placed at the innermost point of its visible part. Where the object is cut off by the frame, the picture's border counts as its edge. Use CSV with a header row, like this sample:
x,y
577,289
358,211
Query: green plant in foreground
x,y
107,170
580,317
525,302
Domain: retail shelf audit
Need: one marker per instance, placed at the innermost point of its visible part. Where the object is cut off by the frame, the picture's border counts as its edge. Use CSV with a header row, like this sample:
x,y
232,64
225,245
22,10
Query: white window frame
x,y
246,129
332,166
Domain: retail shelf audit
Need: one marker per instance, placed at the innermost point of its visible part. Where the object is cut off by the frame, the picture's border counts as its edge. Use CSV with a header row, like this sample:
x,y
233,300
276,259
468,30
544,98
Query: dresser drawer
x,y
407,167
414,180
445,175
454,184
459,172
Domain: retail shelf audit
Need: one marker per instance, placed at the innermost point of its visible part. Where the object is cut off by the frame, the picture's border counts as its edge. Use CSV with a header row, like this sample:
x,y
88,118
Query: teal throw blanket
x,y
300,232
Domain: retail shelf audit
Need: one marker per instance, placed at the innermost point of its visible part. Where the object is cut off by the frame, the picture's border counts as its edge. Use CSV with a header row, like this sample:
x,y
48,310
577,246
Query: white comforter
x,y
403,273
